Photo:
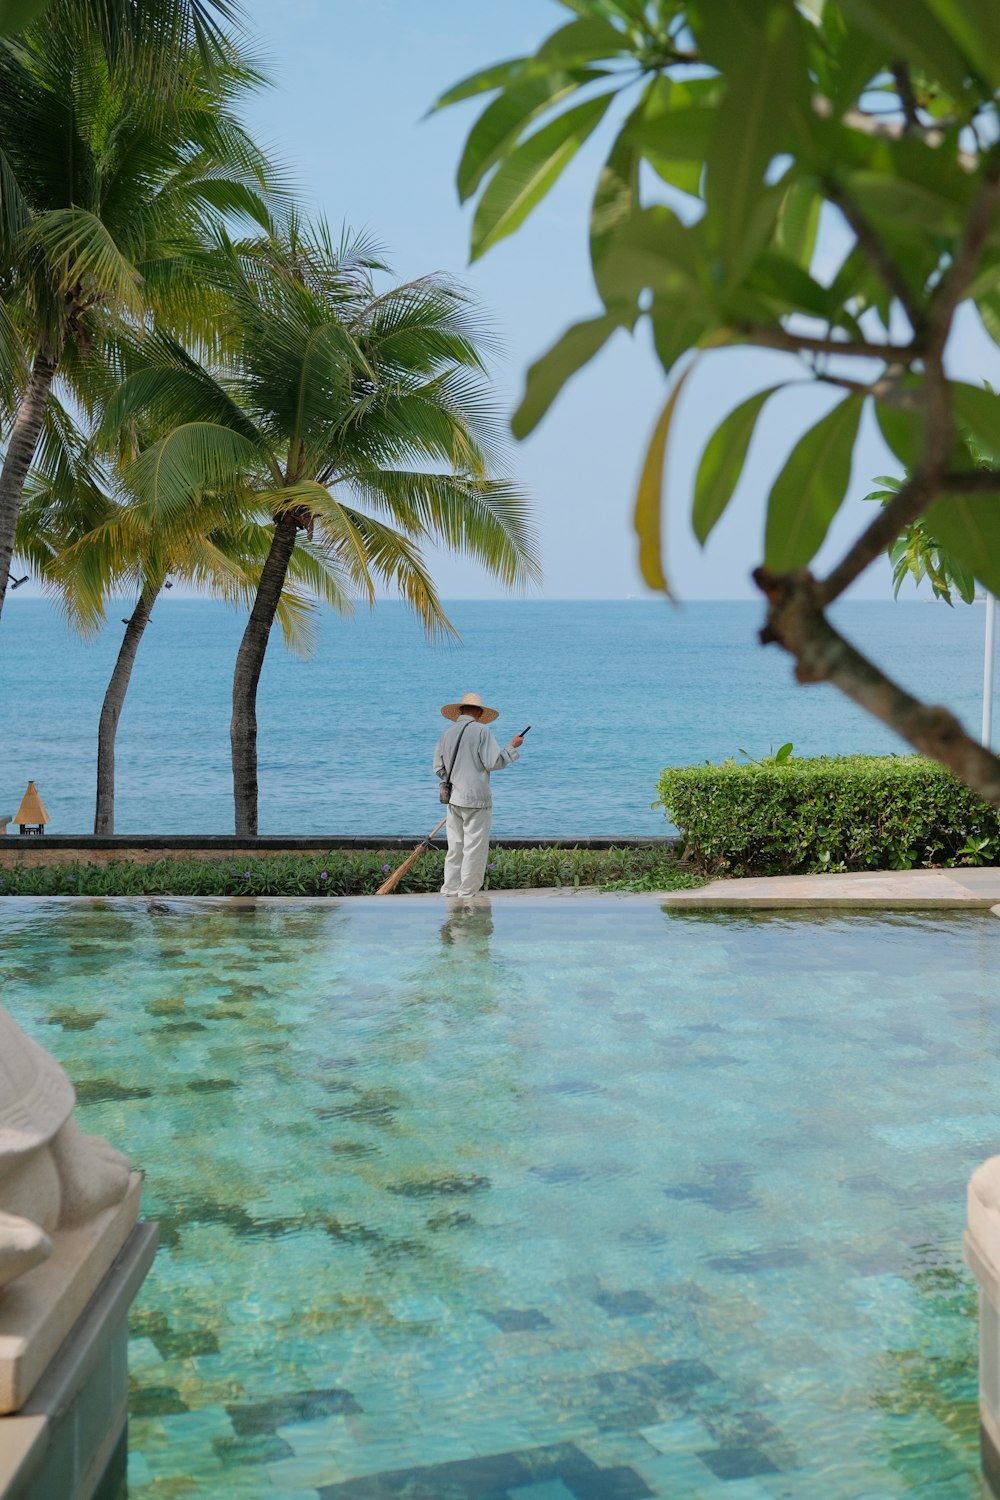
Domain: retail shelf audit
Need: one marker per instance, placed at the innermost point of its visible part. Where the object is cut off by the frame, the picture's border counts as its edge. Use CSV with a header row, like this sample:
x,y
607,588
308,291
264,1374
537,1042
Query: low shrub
x,y
854,812
346,873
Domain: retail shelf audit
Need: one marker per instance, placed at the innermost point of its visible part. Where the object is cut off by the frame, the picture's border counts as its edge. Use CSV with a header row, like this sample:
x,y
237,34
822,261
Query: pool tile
x,y
682,1436
303,1406
517,1319
784,1258
492,1477
262,1447
548,1489
737,1463
627,1304
181,1344
155,1401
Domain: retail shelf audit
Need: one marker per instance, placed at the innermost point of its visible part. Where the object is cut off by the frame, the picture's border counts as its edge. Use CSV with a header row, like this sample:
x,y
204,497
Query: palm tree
x,y
357,418
109,179
147,33
88,540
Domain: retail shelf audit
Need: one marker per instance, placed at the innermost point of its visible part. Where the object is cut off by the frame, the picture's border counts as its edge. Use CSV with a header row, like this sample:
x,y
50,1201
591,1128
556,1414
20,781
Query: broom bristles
x,y
397,875
411,859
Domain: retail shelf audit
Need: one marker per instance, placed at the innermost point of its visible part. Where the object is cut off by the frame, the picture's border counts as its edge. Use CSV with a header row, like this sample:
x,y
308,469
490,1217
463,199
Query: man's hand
x,y
517,741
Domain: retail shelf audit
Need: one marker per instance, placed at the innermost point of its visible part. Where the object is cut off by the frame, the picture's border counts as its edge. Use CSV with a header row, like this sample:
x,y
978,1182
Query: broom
x,y
397,875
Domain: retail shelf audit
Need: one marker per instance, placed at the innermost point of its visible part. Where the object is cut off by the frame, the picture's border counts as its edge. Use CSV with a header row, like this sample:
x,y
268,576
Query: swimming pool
x,y
563,1198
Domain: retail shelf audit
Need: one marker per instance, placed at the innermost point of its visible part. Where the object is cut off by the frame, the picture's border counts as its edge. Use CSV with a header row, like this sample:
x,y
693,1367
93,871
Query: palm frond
x,y
487,519
86,263
193,459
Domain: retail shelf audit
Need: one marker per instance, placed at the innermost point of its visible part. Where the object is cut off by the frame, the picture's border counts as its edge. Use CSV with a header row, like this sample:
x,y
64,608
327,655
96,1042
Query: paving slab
x,y
915,890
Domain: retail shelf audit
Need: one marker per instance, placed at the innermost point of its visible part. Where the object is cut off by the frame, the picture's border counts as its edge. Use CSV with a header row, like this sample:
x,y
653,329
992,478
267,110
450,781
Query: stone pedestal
x,y
982,1255
63,1360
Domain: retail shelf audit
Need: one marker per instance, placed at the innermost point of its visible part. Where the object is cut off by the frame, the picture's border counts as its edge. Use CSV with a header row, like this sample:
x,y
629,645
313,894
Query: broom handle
x,y
397,875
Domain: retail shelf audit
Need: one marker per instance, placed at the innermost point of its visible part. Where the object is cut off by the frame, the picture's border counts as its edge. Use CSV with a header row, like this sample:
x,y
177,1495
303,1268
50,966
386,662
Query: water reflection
x,y
468,927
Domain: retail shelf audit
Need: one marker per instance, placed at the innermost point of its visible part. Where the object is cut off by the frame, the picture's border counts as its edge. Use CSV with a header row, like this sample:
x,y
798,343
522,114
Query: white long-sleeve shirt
x,y
478,755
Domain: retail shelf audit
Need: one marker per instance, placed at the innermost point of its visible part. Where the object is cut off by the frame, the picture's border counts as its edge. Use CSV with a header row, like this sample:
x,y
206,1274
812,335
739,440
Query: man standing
x,y
465,755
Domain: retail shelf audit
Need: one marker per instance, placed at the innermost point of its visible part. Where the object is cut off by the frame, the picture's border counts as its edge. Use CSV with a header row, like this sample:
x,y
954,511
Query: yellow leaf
x,y
648,520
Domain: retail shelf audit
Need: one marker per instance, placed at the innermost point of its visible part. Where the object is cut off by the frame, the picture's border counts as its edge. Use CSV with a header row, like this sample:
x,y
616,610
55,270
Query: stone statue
x,y
51,1175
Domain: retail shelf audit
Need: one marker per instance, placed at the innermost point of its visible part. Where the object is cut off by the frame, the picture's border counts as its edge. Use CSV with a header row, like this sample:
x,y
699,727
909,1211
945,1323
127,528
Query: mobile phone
x,y
524,731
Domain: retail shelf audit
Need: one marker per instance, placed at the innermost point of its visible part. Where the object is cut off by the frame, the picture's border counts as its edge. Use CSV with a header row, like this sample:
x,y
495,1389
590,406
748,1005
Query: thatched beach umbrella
x,y
31,816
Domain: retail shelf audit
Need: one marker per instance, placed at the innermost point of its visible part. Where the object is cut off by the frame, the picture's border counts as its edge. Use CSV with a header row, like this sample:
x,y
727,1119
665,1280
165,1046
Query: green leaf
x,y
890,201
485,81
505,118
810,489
859,59
655,249
798,223
548,375
648,520
979,410
615,198
973,25
751,126
969,527
988,307
902,426
679,135
525,176
679,325
579,41
785,283
722,463
911,32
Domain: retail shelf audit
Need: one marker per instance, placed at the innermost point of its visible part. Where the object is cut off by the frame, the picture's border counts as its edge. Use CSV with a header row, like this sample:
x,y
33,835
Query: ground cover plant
x,y
350,873
740,129
852,812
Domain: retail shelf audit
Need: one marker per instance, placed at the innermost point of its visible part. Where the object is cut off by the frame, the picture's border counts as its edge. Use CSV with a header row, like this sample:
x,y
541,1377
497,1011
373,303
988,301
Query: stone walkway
x,y
898,889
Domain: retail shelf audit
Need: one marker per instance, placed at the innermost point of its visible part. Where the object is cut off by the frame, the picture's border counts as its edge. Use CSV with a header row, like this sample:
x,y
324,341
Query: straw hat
x,y
471,700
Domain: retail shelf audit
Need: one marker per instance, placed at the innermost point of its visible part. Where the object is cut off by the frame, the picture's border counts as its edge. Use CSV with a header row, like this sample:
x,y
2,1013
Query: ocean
x,y
613,691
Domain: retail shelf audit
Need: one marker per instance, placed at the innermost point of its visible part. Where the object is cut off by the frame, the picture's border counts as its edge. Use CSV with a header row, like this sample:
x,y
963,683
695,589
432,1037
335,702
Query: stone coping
x,y
38,1310
892,890
886,890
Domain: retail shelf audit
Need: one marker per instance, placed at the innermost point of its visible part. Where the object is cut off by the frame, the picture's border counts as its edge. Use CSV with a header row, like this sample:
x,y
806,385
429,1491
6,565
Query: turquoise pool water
x,y
563,1199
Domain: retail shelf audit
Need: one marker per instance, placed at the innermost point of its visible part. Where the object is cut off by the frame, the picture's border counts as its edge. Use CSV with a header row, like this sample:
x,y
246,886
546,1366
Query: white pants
x,y
468,849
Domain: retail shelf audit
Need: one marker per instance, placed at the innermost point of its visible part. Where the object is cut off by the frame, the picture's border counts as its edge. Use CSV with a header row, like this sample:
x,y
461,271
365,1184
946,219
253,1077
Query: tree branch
x,y
878,255
893,130
804,343
907,98
952,286
795,620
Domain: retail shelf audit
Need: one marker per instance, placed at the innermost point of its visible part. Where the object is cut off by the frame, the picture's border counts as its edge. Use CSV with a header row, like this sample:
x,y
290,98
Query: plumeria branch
x,y
796,601
805,343
796,621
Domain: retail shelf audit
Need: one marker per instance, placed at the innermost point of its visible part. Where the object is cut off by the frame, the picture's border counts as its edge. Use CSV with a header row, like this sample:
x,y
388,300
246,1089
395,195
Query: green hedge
x,y
856,812
346,873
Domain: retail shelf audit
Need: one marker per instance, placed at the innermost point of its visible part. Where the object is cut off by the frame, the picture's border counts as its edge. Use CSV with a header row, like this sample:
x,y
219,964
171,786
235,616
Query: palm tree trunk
x,y
249,661
114,700
20,454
